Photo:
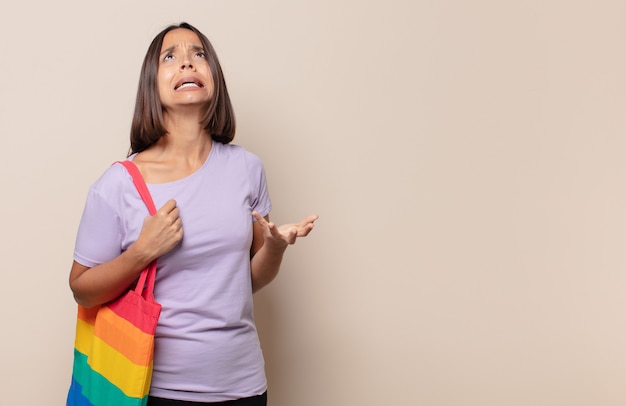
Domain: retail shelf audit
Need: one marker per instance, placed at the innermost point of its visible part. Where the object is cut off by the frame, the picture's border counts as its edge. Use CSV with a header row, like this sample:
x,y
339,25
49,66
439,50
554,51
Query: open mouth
x,y
188,83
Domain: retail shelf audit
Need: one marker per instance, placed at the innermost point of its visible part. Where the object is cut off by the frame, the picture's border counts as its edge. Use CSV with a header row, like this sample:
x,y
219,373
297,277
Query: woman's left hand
x,y
281,236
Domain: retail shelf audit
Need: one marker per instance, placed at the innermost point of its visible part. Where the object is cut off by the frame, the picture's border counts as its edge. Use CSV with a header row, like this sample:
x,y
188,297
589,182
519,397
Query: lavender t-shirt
x,y
206,344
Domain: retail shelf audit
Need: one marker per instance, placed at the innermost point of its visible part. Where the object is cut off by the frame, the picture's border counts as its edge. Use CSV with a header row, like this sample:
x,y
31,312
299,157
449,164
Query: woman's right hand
x,y
160,233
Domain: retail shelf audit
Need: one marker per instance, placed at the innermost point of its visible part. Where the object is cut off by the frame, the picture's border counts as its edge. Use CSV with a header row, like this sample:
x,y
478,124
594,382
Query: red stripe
x,y
141,313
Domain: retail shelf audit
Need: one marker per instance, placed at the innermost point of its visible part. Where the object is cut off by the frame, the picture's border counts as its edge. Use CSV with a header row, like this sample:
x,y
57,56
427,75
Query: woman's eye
x,y
200,54
168,57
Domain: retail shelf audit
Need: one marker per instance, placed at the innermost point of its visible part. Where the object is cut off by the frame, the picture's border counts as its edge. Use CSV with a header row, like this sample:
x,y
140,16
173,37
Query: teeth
x,y
188,84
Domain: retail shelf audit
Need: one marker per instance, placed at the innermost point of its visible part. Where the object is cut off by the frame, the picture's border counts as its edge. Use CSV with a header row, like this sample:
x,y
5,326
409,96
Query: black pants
x,y
260,400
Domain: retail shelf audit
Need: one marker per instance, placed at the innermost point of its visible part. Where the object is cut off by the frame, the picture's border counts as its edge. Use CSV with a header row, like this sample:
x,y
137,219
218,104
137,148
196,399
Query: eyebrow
x,y
170,49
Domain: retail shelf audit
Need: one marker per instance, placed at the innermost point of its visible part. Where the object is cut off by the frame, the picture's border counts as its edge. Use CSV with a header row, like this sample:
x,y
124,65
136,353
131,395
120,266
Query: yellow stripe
x,y
117,368
84,337
111,364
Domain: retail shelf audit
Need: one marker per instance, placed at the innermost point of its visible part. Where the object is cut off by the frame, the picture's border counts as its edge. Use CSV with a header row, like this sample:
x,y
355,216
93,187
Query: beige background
x,y
466,158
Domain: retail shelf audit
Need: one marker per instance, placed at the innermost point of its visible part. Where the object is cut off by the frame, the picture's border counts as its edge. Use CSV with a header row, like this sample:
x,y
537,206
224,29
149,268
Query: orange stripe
x,y
87,315
124,337
117,332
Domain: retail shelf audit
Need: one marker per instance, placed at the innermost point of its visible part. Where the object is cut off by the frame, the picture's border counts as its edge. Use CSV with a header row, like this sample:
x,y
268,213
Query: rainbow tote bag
x,y
114,345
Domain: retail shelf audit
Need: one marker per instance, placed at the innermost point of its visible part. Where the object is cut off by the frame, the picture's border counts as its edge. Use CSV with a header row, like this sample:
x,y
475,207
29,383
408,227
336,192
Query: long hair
x,y
147,125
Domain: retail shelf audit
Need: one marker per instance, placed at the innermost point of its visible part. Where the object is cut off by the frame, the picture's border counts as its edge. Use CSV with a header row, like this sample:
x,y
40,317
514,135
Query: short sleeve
x,y
260,198
99,237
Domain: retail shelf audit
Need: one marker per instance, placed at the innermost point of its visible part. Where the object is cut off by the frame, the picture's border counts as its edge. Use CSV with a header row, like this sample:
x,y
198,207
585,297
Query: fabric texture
x,y
206,344
114,345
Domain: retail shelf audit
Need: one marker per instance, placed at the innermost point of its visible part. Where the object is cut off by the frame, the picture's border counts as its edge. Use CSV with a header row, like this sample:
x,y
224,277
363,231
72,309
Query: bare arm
x,y
269,243
105,282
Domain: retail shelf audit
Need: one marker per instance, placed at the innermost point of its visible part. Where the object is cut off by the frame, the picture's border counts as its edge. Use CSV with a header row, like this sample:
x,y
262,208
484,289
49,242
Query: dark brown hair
x,y
147,125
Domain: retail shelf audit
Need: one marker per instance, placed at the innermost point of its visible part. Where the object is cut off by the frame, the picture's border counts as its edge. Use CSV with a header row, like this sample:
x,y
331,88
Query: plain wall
x,y
466,159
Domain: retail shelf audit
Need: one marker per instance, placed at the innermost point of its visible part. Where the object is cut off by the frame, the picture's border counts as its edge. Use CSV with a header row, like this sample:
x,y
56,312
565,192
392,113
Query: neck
x,y
185,140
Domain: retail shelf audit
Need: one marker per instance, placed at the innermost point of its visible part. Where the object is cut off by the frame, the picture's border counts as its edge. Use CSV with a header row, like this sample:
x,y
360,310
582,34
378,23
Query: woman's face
x,y
184,77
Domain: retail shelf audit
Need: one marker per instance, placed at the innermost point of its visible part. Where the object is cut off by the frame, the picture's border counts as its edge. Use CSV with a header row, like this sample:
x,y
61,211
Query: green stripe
x,y
98,389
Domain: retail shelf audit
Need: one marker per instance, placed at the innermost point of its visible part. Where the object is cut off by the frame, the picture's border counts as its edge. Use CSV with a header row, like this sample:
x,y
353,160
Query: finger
x,y
304,231
170,217
258,217
310,219
291,236
178,224
167,207
274,231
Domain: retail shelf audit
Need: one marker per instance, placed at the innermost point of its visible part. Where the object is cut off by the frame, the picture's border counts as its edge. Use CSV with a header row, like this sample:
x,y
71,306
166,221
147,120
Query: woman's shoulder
x,y
113,180
239,152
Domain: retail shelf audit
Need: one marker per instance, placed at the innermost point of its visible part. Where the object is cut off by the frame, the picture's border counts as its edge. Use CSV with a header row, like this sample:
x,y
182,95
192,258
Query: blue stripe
x,y
89,388
75,396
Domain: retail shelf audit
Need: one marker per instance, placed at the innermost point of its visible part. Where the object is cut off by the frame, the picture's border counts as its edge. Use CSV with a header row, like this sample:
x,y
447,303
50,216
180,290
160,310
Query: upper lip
x,y
188,79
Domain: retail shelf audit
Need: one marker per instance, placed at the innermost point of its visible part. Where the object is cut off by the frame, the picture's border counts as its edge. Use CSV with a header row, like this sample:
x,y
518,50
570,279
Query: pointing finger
x,y
257,216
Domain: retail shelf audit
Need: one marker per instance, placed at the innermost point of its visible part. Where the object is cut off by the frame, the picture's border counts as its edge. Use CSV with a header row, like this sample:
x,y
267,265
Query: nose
x,y
186,62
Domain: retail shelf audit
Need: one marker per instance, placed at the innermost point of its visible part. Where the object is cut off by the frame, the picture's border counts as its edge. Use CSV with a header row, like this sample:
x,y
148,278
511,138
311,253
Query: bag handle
x,y
140,184
148,275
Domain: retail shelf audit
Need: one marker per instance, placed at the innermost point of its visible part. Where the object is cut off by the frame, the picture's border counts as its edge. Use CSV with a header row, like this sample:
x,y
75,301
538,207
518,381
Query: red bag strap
x,y
140,184
148,275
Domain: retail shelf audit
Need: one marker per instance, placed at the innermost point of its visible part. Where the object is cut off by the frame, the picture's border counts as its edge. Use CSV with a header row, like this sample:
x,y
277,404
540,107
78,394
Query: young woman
x,y
211,234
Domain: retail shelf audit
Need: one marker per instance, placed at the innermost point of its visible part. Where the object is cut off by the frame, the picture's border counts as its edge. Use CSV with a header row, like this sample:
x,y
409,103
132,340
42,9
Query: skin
x,y
176,155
